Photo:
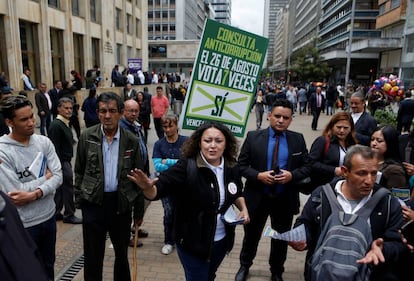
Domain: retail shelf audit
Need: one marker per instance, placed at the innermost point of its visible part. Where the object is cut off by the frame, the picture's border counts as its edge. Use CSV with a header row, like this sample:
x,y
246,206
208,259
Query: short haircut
x,y
10,104
365,151
64,100
159,87
282,103
169,119
110,96
358,95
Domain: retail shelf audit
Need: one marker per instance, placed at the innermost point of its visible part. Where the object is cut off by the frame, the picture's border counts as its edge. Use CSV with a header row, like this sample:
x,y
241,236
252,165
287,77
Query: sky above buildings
x,y
248,15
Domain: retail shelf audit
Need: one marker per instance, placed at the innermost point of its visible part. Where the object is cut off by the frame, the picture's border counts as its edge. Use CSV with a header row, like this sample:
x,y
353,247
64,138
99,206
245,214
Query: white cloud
x,y
248,15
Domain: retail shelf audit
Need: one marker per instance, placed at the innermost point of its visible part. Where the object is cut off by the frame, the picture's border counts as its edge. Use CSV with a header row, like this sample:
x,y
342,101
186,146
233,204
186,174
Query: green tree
x,y
307,64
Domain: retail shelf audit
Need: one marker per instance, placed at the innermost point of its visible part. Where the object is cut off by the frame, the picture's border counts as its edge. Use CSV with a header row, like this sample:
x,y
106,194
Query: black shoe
x,y
142,233
276,277
72,219
241,275
131,243
59,217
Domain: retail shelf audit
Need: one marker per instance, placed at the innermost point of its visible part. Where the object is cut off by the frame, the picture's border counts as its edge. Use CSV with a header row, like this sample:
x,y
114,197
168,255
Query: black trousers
x,y
97,222
315,114
64,194
280,220
158,128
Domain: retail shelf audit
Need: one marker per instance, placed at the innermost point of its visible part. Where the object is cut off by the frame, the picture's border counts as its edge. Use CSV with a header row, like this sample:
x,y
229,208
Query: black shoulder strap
x,y
365,211
372,202
330,194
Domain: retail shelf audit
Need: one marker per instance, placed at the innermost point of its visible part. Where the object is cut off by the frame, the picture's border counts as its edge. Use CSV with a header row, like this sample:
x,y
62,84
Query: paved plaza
x,y
154,266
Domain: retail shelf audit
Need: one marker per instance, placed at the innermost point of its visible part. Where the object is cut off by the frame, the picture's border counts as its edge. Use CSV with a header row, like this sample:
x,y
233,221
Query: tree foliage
x,y
307,65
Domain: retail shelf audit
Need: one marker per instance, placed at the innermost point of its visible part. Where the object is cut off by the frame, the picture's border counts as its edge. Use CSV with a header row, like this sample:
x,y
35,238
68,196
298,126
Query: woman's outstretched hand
x,y
146,184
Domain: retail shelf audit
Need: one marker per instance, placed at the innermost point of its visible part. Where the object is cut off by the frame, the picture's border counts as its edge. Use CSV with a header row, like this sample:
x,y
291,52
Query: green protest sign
x,y
224,78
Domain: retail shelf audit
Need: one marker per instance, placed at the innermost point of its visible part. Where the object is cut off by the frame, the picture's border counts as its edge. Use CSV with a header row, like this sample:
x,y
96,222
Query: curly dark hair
x,y
191,147
9,105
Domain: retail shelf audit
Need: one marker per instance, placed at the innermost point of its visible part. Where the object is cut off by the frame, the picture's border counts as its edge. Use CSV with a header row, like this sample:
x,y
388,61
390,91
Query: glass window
x,y
78,52
137,27
53,3
93,10
95,52
29,44
118,53
75,8
129,24
395,4
3,55
129,52
382,9
56,47
118,19
157,51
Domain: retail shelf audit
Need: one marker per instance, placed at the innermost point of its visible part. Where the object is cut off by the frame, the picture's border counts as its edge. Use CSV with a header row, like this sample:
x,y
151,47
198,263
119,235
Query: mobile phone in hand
x,y
408,231
277,170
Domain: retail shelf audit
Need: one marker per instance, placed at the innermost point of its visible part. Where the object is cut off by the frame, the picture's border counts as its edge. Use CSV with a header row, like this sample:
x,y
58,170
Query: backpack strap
x,y
326,146
363,212
407,152
330,194
372,202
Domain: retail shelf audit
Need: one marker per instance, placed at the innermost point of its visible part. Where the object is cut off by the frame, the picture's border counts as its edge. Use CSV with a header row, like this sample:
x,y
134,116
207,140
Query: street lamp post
x,y
349,50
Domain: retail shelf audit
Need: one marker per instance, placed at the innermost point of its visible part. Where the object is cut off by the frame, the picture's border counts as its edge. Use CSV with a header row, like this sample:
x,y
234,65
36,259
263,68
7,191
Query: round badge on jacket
x,y
232,187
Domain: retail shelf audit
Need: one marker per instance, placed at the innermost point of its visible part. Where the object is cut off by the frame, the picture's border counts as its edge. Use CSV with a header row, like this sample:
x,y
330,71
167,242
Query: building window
x,y
118,17
93,6
137,28
78,52
96,52
157,51
29,44
3,55
53,3
57,51
129,24
395,4
118,53
129,52
75,8
381,9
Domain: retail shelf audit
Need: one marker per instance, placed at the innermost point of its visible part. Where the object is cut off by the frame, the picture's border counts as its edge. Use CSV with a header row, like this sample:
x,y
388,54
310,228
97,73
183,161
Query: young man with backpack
x,y
352,225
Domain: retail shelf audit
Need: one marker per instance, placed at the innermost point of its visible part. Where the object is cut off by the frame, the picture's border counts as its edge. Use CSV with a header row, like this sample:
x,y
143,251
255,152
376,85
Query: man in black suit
x,y
317,104
44,108
405,113
269,191
54,96
365,124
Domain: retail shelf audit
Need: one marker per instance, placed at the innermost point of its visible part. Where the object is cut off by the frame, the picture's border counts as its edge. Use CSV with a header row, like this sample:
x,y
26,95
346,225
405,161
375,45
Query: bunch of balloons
x,y
392,86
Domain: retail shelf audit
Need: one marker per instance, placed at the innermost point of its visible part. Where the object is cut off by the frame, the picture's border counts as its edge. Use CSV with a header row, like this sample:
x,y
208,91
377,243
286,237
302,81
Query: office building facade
x,y
56,36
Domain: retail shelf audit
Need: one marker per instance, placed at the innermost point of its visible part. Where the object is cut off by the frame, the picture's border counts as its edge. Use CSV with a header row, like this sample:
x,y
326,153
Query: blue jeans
x,y
44,235
168,204
197,269
44,124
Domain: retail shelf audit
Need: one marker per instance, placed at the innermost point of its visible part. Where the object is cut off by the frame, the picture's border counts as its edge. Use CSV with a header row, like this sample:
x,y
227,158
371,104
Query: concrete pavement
x,y
154,266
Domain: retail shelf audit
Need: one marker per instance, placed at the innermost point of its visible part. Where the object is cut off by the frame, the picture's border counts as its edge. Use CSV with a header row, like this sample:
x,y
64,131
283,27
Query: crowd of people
x,y
199,177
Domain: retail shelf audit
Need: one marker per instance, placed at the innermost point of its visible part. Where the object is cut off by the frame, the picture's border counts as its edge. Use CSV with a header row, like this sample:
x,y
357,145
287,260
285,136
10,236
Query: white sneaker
x,y
167,249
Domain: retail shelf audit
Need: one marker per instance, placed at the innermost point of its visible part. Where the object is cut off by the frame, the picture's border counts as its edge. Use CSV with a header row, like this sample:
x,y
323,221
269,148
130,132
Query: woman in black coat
x,y
329,149
205,182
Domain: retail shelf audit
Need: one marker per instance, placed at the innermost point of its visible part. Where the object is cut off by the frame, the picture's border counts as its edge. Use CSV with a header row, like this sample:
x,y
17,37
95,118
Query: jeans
x,y
168,204
44,235
197,269
44,124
